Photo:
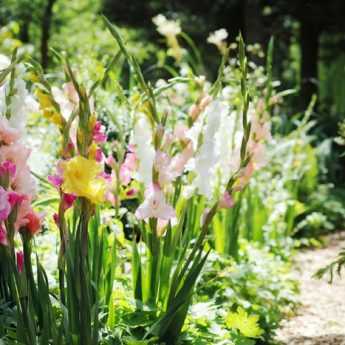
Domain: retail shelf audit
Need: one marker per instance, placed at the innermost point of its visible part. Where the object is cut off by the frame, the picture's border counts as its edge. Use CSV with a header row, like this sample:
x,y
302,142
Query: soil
x,y
320,318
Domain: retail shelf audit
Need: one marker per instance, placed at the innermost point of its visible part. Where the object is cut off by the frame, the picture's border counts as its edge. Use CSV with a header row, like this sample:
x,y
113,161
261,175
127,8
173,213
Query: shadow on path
x,y
328,339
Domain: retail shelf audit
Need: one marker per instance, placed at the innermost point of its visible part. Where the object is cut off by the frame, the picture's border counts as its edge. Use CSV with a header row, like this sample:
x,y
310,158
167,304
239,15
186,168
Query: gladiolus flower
x,y
128,167
33,222
8,135
180,131
144,150
7,168
16,153
81,178
226,201
260,129
5,206
154,205
24,182
55,180
179,162
20,261
98,133
68,200
15,198
99,156
3,236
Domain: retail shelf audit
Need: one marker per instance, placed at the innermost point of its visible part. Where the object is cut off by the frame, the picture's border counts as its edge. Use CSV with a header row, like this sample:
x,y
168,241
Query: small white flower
x,y
218,37
166,27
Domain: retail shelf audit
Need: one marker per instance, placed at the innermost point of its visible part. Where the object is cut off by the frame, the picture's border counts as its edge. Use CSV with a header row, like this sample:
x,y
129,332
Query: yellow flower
x,y
32,77
53,117
81,177
246,324
44,99
92,151
92,121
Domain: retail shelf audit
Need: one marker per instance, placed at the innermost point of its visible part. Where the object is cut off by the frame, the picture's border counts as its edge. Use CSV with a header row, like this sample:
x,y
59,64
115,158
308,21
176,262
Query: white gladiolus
x,y
228,145
207,157
142,139
4,62
21,103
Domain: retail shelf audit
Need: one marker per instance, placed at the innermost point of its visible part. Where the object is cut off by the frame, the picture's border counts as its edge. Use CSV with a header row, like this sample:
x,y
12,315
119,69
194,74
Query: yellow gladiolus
x,y
44,99
53,117
81,177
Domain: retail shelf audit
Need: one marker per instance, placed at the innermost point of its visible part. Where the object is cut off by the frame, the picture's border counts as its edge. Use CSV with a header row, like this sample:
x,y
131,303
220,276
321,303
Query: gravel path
x,y
320,319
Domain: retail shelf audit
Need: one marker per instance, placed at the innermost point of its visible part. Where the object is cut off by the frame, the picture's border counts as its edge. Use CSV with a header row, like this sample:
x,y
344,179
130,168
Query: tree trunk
x,y
45,35
24,35
309,39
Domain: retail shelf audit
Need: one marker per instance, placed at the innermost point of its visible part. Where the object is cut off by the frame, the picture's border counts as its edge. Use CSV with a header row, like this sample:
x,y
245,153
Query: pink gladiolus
x,y
68,200
154,205
179,162
107,177
5,206
125,175
261,130
71,93
180,131
3,236
128,167
110,197
24,183
55,180
17,153
99,156
20,261
226,201
7,168
245,176
15,198
8,135
258,154
171,168
161,163
98,133
110,161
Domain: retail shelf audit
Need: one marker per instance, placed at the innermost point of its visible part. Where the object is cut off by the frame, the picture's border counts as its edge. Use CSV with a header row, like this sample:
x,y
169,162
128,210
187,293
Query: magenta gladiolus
x,y
15,198
98,133
5,206
7,168
68,200
55,180
3,236
20,261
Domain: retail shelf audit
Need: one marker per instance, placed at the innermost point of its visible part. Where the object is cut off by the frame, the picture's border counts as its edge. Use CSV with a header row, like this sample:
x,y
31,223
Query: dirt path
x,y
320,320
